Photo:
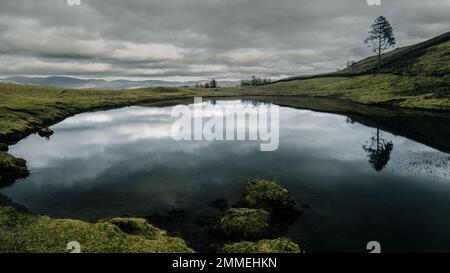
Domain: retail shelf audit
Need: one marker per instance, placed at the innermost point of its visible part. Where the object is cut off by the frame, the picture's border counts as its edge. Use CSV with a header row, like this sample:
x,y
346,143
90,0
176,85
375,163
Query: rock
x,y
269,196
3,147
45,132
11,168
280,245
244,224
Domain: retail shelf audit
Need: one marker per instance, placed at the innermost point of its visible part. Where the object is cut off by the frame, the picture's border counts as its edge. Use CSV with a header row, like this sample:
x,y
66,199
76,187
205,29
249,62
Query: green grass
x,y
21,232
416,76
281,245
415,92
429,58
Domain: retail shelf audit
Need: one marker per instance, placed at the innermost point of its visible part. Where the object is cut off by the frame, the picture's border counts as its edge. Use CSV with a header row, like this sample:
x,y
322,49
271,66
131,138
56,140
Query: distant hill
x,y
429,58
75,83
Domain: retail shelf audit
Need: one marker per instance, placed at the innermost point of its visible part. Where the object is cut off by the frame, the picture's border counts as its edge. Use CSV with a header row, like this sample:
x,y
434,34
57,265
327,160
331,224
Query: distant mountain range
x,y
75,83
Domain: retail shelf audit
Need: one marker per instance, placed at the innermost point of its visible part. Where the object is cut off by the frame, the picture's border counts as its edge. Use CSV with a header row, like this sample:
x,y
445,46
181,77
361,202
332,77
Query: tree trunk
x,y
379,54
378,139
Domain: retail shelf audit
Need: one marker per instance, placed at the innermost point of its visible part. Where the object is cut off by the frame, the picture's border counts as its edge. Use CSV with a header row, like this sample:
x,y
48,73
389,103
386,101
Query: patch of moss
x,y
25,233
11,168
280,245
244,224
135,226
269,196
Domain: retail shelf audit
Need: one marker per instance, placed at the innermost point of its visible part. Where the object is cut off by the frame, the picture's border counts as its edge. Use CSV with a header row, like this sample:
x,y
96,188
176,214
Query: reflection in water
x,y
379,151
124,162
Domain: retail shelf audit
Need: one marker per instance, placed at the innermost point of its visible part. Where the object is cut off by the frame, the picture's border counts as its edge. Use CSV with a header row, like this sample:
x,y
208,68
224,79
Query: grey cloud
x,y
200,38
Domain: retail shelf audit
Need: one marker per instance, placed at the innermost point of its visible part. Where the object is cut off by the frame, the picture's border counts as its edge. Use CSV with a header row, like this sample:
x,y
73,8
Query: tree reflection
x,y
379,151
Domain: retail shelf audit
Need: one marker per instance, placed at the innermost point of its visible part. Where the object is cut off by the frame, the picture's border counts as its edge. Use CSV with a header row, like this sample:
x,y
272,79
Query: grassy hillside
x,y
417,92
417,76
429,58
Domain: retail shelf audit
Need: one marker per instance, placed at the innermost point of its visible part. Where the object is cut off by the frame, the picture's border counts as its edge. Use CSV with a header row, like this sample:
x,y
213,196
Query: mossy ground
x,y
25,233
415,92
280,245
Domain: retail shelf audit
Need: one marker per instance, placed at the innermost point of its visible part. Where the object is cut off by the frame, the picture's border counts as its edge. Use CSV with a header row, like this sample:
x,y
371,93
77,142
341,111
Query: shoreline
x,y
344,107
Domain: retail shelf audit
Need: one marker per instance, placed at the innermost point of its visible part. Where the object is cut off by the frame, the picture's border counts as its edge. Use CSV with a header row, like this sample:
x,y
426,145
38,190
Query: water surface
x,y
124,162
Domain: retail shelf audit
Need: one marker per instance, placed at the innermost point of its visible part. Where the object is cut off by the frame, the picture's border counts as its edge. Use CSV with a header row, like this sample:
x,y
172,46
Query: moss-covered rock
x,y
244,224
11,168
280,245
3,147
269,196
45,132
26,233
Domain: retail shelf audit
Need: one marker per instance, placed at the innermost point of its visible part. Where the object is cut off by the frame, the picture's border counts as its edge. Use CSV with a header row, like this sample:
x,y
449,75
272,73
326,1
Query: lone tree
x,y
381,37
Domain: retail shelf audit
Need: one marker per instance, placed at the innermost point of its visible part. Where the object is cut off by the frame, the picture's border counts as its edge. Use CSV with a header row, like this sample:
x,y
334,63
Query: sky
x,y
198,39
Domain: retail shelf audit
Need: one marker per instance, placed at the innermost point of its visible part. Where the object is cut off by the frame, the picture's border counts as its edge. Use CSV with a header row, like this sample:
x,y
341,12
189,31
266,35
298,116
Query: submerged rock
x,y
220,204
269,196
280,245
244,224
3,147
45,132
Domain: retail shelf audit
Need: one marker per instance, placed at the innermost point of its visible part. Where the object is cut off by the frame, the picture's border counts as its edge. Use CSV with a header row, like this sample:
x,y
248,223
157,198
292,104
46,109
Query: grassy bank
x,y
23,232
412,92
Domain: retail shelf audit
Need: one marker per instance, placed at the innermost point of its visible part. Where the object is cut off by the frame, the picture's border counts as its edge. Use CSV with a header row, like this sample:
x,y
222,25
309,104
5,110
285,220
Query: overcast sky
x,y
194,39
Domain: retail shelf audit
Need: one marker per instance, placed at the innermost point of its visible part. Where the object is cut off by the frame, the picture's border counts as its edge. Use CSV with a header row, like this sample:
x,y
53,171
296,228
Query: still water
x,y
361,184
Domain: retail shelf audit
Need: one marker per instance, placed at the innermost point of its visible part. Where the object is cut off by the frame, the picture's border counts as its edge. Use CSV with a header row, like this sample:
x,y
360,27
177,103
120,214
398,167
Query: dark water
x,y
124,162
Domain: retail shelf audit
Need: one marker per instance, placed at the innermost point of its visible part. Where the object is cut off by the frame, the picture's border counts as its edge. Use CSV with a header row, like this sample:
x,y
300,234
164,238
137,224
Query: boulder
x,y
45,132
269,196
244,224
